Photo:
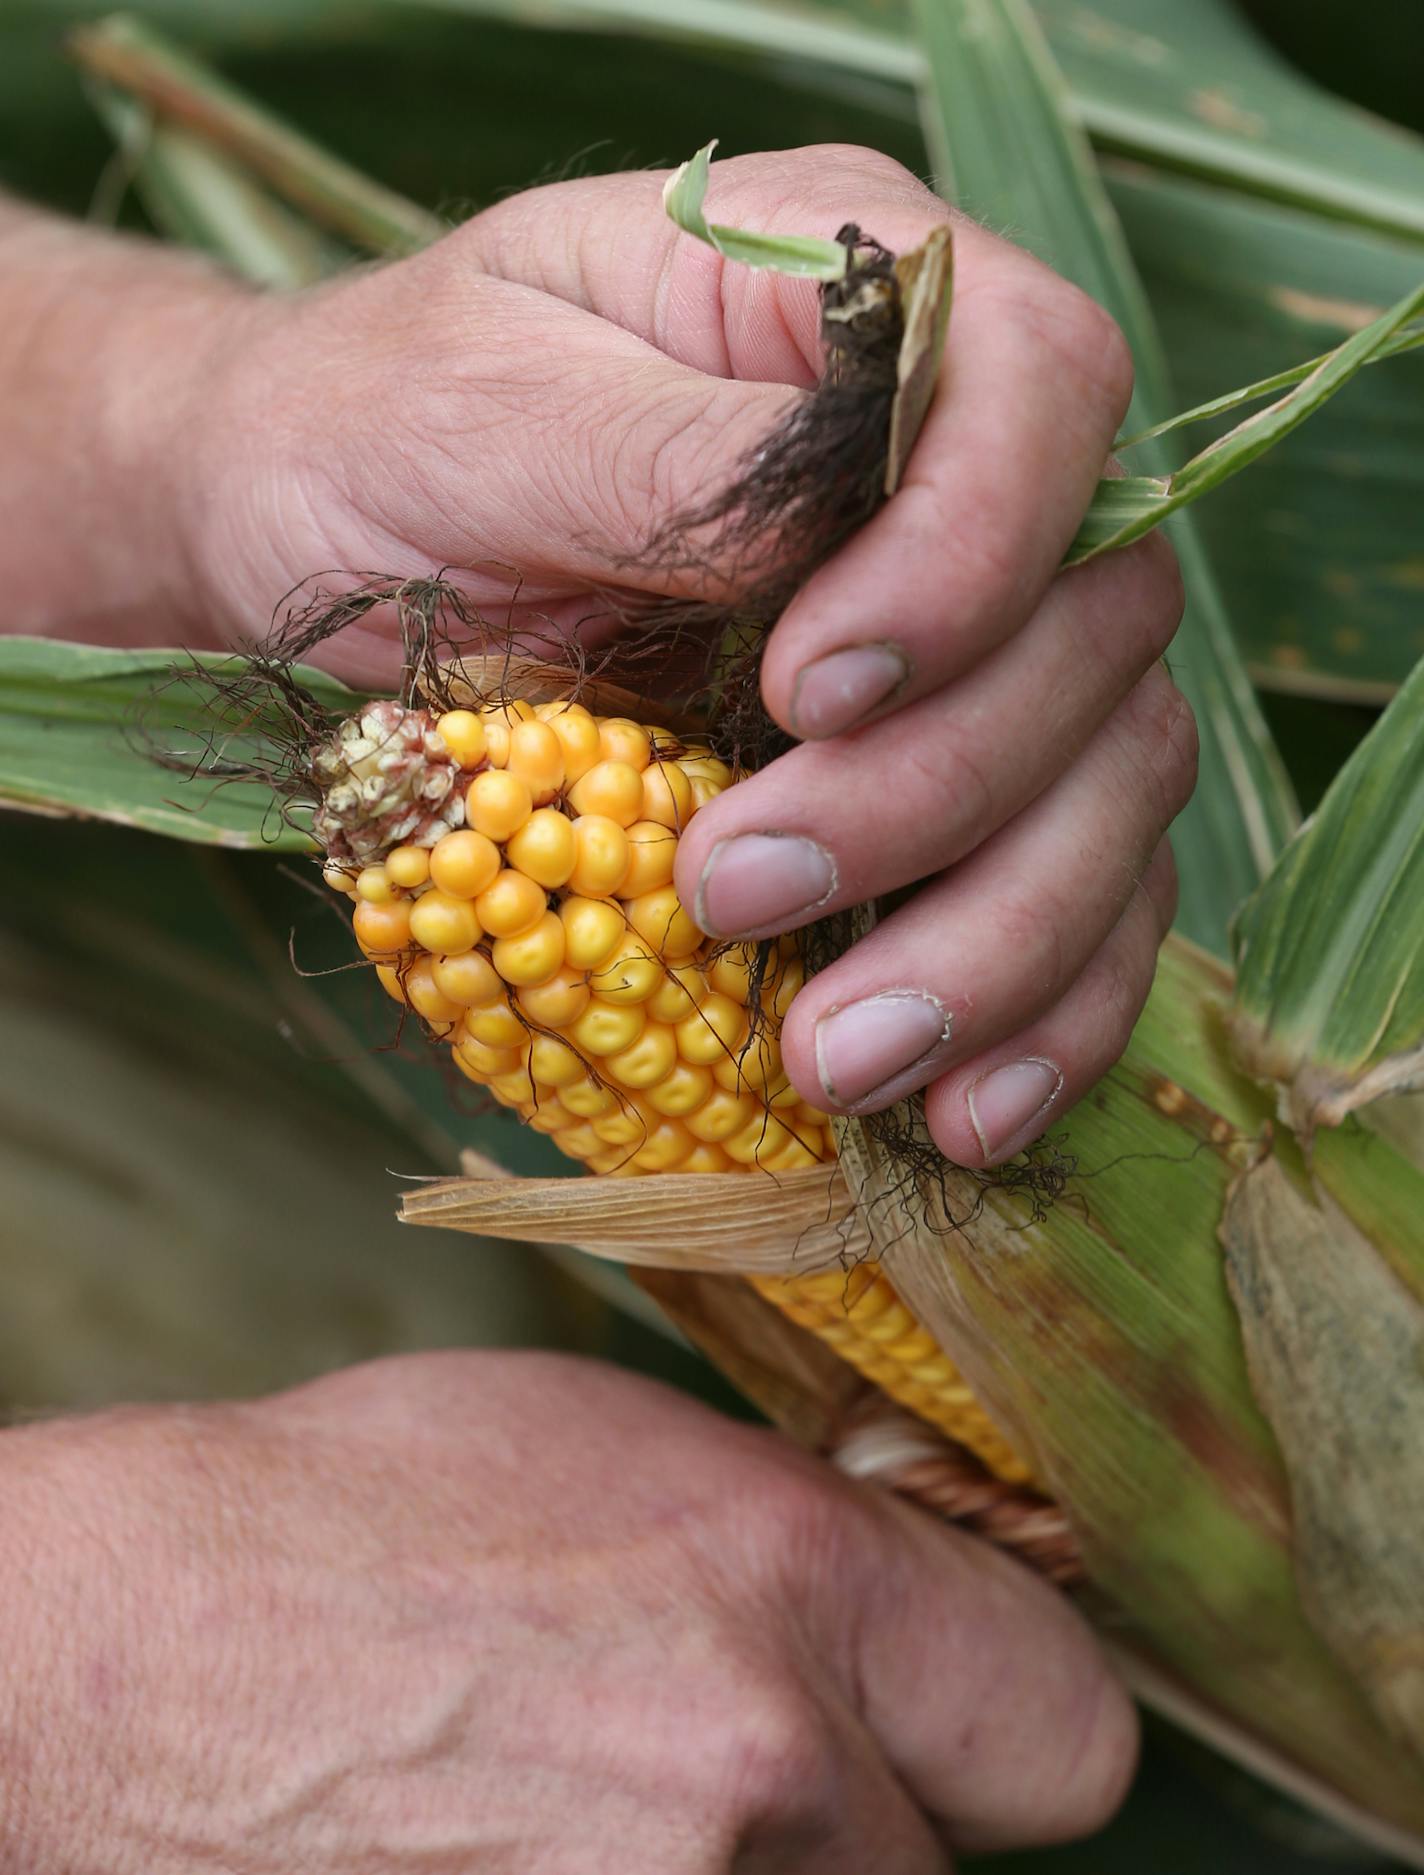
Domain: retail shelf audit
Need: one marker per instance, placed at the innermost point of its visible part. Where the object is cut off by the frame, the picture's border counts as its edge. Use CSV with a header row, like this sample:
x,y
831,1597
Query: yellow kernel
x,y
628,1126
580,1142
753,1069
681,1091
557,1003
511,905
614,789
463,734
498,719
719,1116
408,866
604,1029
391,982
553,1063
579,738
338,878
532,956
717,1030
784,987
759,1140
424,994
652,851
652,1056
705,1158
515,1088
600,856
586,1098
666,1148
536,756
807,1116
612,1162
373,886
547,1117
702,765
443,924
667,795
592,927
730,972
463,864
682,988
498,804
469,979
496,1025
702,792
381,929
623,740
663,923
545,846
793,1157
630,975
484,1059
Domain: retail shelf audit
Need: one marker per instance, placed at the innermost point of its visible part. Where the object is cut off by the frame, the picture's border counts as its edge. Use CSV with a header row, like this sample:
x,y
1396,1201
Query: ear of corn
x,y
511,872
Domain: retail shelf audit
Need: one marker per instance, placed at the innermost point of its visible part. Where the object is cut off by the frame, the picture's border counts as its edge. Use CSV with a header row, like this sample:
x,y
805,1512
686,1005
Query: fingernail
x,y
837,690
1006,1101
760,881
861,1048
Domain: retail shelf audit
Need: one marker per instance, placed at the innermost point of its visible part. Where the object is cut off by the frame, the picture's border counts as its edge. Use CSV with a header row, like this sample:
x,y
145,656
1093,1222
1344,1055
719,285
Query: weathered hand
x,y
474,1612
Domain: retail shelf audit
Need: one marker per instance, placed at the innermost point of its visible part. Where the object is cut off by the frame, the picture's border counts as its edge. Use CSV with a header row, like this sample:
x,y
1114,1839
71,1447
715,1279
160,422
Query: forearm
x,y
105,345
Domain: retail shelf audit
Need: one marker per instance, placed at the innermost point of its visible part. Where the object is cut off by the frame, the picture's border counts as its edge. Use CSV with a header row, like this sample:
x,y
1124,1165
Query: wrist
x,y
104,352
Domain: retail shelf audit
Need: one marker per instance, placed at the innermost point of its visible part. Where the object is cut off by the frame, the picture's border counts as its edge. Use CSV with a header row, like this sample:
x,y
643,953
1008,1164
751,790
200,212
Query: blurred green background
x,y
158,1245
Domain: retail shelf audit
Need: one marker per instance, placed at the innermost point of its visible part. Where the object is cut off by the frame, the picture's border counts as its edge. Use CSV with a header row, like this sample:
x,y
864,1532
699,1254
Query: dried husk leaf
x,y
926,276
1335,1348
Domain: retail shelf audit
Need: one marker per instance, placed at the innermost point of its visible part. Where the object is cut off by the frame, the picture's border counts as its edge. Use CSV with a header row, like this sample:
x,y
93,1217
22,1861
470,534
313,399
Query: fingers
x,y
989,947
938,778
987,1693
999,1103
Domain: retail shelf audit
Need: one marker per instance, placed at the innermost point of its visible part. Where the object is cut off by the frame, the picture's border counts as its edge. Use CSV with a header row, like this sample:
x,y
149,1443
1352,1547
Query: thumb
x,y
984,1688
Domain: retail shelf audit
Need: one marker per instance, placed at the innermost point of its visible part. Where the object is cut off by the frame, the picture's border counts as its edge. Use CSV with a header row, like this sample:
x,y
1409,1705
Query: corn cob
x,y
511,876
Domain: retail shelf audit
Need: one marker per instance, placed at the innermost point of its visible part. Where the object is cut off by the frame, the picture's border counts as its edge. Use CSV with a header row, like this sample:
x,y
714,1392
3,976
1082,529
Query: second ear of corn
x,y
511,872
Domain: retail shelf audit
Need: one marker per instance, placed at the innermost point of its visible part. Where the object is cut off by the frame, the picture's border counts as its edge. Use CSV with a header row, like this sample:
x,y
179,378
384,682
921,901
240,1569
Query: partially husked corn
x,y
528,916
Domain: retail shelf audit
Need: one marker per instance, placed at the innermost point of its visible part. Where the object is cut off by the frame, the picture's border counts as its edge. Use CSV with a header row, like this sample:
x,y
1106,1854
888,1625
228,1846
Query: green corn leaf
x,y
1330,992
805,256
80,733
1123,511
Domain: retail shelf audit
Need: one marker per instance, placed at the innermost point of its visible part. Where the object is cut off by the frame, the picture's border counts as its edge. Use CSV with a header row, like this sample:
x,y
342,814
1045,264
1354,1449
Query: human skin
x,y
514,1614
469,1613
538,392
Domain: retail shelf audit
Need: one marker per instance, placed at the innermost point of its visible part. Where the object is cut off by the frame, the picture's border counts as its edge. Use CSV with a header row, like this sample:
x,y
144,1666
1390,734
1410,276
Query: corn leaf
x,y
1123,511
81,733
1330,992
806,256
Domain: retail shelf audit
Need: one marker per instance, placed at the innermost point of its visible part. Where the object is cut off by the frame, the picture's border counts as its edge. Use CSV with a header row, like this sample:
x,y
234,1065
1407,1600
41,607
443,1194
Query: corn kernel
x,y
373,886
647,1060
586,1098
717,1030
515,1088
463,734
443,924
531,957
408,866
462,864
664,925
630,975
667,795
606,1029
623,740
497,720
424,994
666,1148
592,927
545,847
496,1025
682,988
730,972
652,853
497,804
469,979
627,1126
704,1158
681,1091
511,905
578,735
614,789
580,1142
382,929
719,1116
557,1003
536,756
391,982
485,1060
552,1063
600,856
759,1140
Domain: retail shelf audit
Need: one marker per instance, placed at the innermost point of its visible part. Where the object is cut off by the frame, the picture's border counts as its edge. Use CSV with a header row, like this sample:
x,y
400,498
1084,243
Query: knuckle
x,y
777,1751
1167,744
1082,337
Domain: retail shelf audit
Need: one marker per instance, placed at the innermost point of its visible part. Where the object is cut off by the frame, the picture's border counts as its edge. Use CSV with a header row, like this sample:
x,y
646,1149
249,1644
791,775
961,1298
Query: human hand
x,y
561,375
462,1612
